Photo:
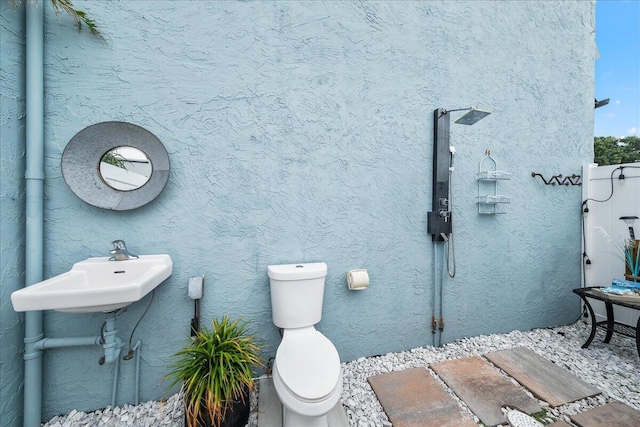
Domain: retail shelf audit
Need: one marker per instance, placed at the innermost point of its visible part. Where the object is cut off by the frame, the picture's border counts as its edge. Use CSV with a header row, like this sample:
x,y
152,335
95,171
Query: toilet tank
x,y
296,294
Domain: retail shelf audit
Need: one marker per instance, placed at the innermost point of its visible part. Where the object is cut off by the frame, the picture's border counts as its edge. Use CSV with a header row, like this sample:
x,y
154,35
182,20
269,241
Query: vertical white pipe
x,y
34,176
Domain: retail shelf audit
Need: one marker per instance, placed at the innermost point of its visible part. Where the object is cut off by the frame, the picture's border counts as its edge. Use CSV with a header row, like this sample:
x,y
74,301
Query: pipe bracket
x,y
34,339
38,175
33,355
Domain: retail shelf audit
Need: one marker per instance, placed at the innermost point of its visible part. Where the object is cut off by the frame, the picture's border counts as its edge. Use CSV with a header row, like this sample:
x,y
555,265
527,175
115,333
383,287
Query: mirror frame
x,y
81,165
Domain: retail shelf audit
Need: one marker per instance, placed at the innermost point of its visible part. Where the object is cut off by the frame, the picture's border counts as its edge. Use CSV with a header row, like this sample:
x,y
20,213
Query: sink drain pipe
x,y
107,340
34,177
112,346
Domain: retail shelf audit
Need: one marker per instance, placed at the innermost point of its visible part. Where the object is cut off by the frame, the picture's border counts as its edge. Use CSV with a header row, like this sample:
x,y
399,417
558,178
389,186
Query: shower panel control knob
x,y
443,202
443,214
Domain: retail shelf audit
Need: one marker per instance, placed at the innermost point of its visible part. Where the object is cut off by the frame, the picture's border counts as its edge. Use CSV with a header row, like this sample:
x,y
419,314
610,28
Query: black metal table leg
x,y
594,292
593,323
610,321
638,336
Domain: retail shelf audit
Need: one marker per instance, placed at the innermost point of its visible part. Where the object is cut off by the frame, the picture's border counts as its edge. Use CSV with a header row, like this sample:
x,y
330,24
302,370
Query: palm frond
x,y
78,15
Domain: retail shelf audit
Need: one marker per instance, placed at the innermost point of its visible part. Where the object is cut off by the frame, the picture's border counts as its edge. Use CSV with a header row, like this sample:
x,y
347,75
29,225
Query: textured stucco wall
x,y
303,132
12,164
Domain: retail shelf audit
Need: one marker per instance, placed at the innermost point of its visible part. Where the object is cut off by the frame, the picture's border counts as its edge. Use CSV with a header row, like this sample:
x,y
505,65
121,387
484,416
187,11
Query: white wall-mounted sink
x,y
96,284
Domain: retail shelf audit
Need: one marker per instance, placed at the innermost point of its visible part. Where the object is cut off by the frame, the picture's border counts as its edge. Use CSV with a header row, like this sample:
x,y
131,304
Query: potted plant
x,y
632,260
627,252
215,370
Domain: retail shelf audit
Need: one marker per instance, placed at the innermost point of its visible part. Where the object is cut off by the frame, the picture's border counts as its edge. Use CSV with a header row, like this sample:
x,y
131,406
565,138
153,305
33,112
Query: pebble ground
x,y
614,368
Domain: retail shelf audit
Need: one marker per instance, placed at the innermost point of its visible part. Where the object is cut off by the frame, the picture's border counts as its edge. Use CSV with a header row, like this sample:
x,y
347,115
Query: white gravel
x,y
613,368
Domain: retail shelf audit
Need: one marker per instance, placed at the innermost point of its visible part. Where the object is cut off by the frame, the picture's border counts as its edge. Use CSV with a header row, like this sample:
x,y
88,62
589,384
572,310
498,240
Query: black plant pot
x,y
237,415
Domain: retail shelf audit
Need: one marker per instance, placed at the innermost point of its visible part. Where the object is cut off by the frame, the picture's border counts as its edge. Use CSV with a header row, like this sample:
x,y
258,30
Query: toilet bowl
x,y
306,371
307,377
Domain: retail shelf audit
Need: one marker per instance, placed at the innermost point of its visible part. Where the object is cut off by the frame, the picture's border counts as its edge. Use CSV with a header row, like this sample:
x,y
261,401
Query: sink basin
x,y
96,284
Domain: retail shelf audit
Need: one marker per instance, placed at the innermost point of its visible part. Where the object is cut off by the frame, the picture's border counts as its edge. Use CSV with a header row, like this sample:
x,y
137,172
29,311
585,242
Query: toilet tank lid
x,y
297,271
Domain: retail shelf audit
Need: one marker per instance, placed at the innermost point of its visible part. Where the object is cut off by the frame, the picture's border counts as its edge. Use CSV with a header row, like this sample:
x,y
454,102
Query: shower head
x,y
473,116
439,219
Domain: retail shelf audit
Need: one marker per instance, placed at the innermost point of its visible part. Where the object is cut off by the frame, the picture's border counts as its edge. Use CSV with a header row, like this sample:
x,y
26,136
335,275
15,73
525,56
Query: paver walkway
x,y
546,380
483,389
613,414
413,398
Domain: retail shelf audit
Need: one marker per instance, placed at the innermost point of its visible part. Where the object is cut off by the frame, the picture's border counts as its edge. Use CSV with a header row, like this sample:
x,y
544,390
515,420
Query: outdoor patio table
x,y
610,324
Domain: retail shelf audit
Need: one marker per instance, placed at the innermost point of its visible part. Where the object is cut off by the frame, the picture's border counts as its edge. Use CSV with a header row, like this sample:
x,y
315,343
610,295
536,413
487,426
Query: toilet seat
x,y
308,364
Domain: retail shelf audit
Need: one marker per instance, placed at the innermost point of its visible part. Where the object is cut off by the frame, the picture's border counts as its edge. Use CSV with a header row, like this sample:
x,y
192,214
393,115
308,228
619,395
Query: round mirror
x,y
115,165
125,168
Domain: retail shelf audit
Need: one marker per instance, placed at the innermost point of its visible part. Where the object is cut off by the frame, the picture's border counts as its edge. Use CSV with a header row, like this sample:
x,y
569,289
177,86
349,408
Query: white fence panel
x,y
610,197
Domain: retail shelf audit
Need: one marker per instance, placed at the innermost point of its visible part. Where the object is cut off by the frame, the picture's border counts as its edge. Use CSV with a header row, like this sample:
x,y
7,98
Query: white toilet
x,y
306,372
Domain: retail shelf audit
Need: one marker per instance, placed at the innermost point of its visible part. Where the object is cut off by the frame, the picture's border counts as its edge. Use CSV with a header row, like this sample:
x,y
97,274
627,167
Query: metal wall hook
x,y
559,179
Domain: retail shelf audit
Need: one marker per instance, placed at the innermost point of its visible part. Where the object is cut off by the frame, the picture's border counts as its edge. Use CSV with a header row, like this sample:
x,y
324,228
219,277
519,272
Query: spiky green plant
x,y
632,262
115,159
215,369
625,252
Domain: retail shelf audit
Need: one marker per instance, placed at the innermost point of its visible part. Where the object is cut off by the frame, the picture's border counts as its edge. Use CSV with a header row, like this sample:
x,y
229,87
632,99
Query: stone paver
x,y
483,389
270,408
559,424
613,414
413,398
546,380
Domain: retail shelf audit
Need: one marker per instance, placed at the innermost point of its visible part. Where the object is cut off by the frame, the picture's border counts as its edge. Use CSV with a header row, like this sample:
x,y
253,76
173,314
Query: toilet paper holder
x,y
358,280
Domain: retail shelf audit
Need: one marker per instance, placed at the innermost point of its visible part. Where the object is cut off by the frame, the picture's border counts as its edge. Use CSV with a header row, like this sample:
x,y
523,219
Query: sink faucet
x,y
120,252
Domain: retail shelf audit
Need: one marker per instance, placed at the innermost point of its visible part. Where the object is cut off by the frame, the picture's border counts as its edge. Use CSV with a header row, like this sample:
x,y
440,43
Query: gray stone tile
x,y
483,389
546,380
413,398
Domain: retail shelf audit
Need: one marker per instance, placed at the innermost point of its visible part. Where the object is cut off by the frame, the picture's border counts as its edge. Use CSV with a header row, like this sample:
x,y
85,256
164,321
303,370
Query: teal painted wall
x,y
299,132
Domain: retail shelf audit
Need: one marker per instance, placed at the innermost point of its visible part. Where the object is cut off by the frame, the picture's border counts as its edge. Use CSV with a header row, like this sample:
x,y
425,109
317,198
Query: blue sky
x,y
618,68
